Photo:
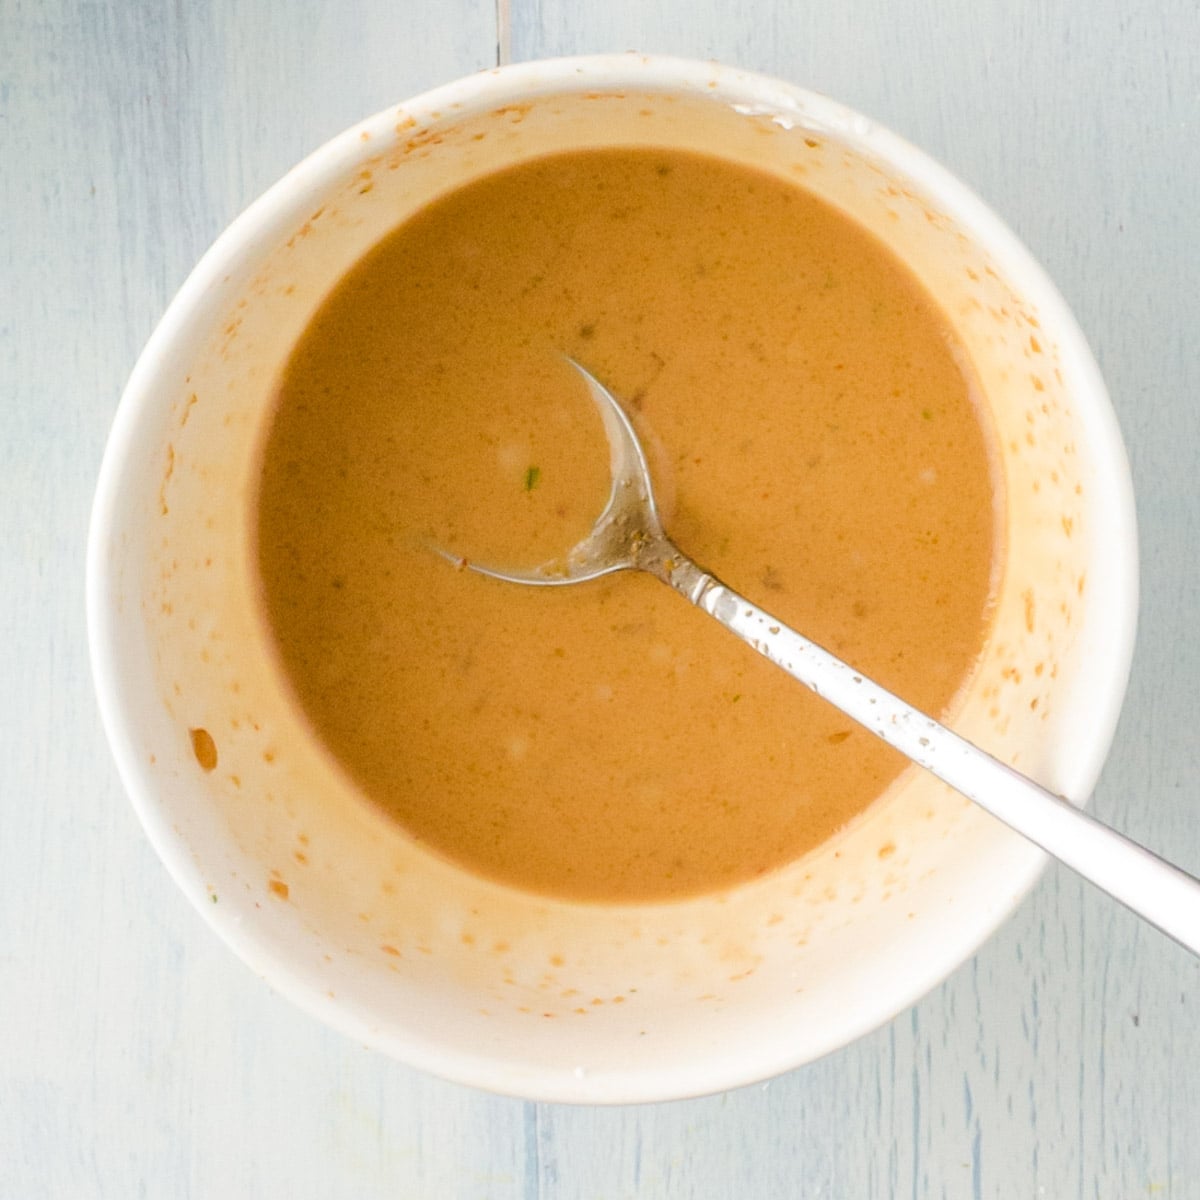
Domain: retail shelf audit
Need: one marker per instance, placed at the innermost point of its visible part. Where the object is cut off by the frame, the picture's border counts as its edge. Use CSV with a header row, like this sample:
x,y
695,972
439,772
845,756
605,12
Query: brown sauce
x,y
814,440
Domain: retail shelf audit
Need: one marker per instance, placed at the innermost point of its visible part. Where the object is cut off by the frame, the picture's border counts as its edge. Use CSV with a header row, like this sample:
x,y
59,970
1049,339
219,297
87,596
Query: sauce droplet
x,y
204,748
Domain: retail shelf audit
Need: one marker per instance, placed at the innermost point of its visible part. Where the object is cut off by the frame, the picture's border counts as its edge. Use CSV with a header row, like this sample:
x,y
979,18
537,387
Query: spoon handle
x,y
1148,885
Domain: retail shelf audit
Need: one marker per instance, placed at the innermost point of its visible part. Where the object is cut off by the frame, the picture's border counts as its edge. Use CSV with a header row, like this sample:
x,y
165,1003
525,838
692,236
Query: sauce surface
x,y
814,441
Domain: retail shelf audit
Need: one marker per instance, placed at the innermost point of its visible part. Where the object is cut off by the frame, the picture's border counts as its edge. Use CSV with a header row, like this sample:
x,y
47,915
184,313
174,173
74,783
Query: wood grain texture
x,y
137,1057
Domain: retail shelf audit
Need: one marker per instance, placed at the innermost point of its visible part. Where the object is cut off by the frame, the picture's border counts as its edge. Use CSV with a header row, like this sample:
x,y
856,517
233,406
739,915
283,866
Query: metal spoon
x,y
629,536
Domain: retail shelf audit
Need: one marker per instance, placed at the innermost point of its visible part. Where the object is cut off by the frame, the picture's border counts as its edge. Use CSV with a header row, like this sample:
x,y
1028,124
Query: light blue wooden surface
x,y
137,1057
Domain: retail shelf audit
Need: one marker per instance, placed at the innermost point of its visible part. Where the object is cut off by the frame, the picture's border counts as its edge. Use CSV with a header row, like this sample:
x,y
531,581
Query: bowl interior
x,y
336,907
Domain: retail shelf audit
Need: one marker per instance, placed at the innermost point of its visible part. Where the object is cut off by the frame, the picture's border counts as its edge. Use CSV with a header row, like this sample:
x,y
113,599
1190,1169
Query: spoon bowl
x,y
629,530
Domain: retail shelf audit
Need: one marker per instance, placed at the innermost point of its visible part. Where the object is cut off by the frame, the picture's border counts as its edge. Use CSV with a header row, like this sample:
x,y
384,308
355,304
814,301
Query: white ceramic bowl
x,y
336,908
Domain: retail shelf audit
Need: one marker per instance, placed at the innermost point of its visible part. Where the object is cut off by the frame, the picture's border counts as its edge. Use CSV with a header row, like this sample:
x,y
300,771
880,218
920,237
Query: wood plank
x,y
1062,1060
138,1057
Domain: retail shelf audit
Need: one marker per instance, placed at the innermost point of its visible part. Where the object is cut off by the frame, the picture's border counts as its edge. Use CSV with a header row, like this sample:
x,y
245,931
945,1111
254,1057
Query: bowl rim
x,y
320,168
